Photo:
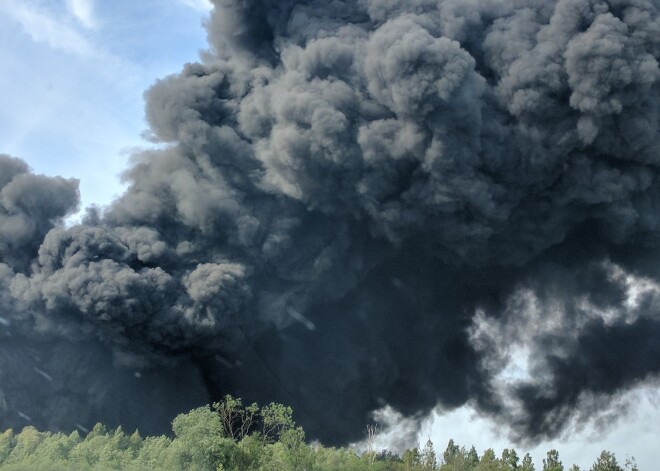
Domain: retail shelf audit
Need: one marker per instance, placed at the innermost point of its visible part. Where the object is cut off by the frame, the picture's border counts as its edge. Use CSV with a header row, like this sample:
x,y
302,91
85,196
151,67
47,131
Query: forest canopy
x,y
229,435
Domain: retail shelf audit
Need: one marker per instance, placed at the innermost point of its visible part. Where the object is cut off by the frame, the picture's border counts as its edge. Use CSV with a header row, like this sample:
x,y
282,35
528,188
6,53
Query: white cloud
x,y
42,27
199,5
630,430
72,97
83,10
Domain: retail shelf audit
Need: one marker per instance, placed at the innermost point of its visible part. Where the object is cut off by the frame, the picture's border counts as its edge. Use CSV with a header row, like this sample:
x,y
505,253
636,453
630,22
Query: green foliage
x,y
295,452
509,460
472,458
552,463
25,445
56,448
606,462
235,419
489,461
527,464
200,441
451,452
154,453
249,455
6,444
275,419
456,458
428,459
411,458
631,464
232,437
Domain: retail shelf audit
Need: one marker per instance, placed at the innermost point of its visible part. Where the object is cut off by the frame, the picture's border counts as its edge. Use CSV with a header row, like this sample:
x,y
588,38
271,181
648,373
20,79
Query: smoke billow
x,y
358,204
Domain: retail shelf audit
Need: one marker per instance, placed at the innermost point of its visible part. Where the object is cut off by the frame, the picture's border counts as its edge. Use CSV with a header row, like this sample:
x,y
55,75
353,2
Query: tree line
x,y
230,436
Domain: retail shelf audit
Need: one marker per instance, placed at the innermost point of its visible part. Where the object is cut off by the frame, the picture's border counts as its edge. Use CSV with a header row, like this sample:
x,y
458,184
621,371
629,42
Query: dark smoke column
x,y
368,203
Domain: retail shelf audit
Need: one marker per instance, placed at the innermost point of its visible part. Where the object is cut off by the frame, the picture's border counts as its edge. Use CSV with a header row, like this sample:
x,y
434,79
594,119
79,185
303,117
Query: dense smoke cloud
x,y
361,204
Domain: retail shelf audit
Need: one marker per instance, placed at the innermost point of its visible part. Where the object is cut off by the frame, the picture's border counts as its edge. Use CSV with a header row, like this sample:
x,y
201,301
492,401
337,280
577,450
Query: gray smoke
x,y
355,206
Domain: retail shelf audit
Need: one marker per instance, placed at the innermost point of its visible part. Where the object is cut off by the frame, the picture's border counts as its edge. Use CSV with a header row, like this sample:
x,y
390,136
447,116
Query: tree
x,y
370,454
250,455
275,419
57,447
527,463
428,459
200,441
26,443
631,464
87,453
297,455
236,420
462,461
155,454
411,458
606,462
472,457
489,461
118,450
6,444
510,459
552,463
450,452
269,441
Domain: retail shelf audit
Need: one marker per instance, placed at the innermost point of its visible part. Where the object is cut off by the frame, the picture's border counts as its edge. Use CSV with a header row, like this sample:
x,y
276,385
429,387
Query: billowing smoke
x,y
359,204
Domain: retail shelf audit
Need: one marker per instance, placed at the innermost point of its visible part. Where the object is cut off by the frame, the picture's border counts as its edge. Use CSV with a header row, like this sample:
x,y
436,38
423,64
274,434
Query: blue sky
x,y
75,72
71,104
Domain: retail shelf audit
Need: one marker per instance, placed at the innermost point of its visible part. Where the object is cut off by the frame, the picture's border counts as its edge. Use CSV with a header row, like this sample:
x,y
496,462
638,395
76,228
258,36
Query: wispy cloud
x,y
199,5
83,10
43,27
72,96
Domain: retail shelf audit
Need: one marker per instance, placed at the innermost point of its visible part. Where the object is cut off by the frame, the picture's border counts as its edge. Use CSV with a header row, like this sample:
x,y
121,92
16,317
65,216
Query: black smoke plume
x,y
358,204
